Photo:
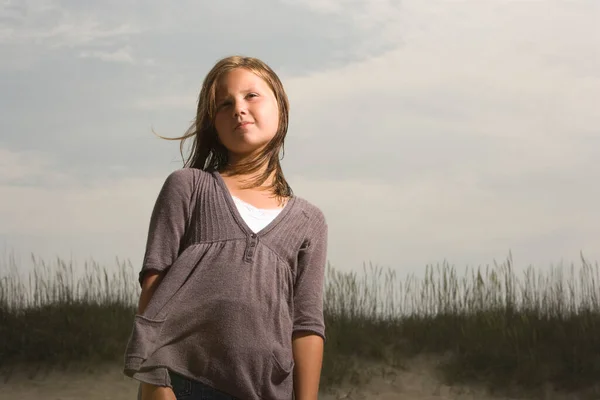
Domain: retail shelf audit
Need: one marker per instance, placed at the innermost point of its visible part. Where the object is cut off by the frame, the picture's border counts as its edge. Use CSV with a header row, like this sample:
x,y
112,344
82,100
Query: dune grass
x,y
488,325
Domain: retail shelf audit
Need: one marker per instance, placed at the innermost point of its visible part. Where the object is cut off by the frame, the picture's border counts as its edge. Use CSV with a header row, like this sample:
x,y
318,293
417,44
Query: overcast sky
x,y
425,130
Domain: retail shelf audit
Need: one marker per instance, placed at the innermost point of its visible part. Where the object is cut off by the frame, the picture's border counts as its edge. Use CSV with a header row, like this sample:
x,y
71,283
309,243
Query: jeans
x,y
186,389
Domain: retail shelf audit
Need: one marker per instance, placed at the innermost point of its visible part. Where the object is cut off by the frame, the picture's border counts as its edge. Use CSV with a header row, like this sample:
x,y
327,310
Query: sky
x,y
427,132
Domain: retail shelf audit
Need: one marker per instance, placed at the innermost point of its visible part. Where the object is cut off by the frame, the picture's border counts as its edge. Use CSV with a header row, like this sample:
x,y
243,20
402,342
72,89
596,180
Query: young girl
x,y
232,279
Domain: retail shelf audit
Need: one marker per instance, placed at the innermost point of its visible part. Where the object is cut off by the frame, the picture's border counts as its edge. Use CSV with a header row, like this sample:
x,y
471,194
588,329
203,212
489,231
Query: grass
x,y
489,326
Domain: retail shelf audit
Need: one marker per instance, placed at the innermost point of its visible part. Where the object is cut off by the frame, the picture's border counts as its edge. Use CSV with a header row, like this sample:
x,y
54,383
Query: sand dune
x,y
417,382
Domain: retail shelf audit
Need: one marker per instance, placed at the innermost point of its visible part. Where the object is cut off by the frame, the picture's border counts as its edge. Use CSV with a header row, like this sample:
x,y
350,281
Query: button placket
x,y
250,248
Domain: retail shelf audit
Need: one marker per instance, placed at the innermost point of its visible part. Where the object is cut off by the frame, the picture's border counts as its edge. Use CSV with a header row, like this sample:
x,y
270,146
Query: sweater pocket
x,y
142,342
280,384
283,361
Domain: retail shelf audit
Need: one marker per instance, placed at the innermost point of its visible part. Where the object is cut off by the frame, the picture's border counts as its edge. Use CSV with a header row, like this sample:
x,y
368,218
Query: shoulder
x,y
313,213
185,177
316,231
182,182
186,174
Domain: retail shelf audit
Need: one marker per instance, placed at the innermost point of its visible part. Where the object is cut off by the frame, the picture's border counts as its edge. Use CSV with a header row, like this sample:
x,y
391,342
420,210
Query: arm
x,y
148,391
152,392
309,326
167,228
170,215
308,356
149,284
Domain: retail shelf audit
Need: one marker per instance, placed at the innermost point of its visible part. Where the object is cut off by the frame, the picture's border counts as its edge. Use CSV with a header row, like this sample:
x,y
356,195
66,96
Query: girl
x,y
232,279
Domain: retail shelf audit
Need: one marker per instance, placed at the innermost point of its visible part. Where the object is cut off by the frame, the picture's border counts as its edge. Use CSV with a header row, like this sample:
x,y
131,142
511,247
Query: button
x,y
252,244
253,236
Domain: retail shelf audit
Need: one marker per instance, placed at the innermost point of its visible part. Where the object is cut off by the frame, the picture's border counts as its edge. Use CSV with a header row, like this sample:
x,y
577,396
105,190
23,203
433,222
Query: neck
x,y
235,162
235,159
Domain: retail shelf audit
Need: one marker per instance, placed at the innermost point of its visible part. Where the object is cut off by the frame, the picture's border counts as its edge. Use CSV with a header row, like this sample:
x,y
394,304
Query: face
x,y
247,116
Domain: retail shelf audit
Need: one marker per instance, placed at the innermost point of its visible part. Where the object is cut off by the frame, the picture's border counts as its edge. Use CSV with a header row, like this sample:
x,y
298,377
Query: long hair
x,y
209,154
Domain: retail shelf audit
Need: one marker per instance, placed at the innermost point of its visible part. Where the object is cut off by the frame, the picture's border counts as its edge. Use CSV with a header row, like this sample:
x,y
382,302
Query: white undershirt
x,y
255,218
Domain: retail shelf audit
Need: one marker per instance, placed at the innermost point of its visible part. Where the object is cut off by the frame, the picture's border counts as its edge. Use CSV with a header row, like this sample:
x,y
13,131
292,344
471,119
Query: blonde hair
x,y
209,154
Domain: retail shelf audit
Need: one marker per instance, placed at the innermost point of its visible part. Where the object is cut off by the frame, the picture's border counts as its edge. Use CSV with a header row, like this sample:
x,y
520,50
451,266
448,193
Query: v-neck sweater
x,y
226,309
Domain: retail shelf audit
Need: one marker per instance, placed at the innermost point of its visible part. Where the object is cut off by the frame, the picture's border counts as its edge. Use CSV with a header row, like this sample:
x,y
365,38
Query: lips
x,y
243,124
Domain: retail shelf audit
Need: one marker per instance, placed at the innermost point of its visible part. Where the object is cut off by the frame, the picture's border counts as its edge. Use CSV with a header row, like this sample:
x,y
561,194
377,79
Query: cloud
x,y
96,208
106,27
457,130
120,56
126,70
49,24
475,144
83,33
31,33
421,221
165,102
29,168
365,14
446,103
53,215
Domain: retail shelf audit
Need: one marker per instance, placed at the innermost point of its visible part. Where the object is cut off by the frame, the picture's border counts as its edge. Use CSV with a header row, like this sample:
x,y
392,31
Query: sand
x,y
417,381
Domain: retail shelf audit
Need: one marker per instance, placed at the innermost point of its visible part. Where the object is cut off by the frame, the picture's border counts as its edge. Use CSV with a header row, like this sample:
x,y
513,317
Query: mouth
x,y
243,124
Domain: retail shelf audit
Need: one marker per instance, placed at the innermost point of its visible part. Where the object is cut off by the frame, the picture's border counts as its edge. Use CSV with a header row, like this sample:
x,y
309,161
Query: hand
x,y
153,392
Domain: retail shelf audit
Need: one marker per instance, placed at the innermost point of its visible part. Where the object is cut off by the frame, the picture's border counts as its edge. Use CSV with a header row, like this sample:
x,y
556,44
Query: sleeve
x,y
168,222
308,287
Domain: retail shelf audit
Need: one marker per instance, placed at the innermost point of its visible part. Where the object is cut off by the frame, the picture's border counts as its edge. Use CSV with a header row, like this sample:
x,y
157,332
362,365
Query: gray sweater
x,y
227,307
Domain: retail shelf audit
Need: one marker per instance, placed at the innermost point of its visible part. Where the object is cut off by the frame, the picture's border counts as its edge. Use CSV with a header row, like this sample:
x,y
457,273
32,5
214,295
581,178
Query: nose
x,y
239,108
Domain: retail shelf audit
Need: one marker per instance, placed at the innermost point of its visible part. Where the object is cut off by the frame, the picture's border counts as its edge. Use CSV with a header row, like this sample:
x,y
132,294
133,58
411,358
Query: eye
x,y
252,95
223,104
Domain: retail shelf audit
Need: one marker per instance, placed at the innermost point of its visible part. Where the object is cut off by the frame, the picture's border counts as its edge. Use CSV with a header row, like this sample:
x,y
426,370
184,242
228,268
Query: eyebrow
x,y
218,97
